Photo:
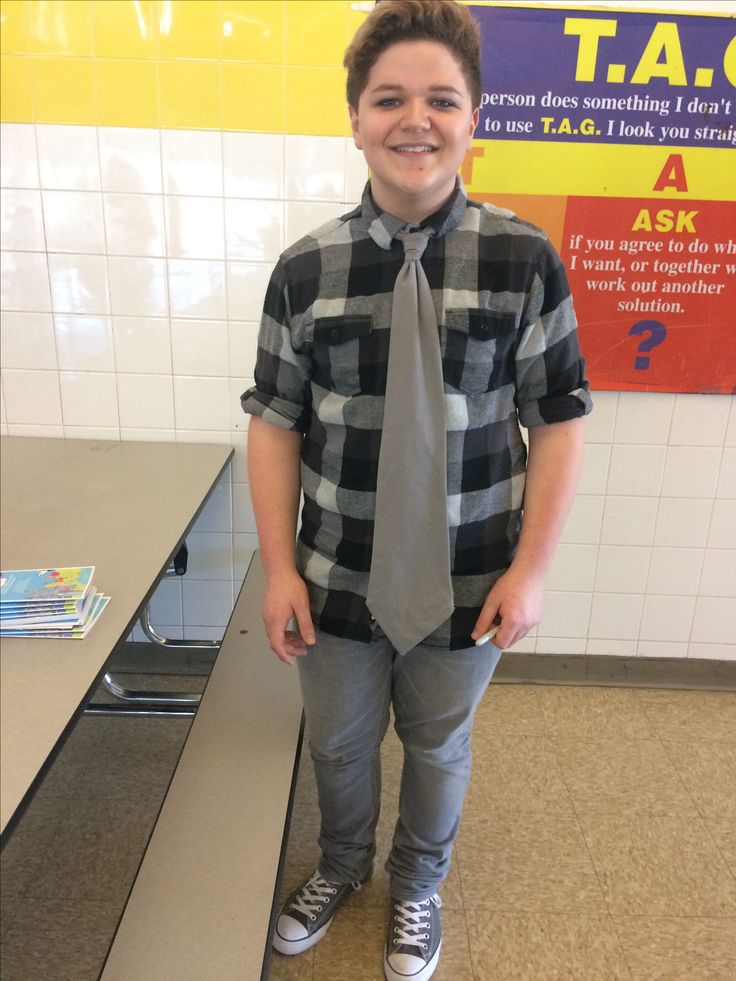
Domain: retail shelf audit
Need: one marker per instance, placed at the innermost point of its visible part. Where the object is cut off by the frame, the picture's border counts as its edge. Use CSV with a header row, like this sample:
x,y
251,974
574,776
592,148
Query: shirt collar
x,y
382,227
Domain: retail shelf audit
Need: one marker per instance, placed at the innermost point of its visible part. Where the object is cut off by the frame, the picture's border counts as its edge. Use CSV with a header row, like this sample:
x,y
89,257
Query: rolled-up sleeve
x,y
281,394
550,369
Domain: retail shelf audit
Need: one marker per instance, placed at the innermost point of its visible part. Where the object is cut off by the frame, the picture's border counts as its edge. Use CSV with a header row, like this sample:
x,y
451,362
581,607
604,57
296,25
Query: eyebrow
x,y
388,87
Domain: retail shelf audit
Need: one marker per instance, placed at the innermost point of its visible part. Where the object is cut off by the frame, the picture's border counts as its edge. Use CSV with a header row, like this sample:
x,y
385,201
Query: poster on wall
x,y
615,132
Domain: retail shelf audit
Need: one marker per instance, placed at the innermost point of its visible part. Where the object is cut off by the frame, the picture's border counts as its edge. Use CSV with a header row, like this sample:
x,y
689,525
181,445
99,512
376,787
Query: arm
x,y
555,454
273,471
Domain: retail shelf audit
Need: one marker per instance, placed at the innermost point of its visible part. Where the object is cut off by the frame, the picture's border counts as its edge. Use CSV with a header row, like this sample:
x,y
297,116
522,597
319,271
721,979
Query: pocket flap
x,y
481,324
338,330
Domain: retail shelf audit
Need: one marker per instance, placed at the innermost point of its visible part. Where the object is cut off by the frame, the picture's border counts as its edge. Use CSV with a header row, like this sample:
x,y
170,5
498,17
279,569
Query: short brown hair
x,y
390,21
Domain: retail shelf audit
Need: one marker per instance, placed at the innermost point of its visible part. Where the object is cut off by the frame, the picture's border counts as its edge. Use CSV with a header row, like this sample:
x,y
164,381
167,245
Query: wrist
x,y
530,567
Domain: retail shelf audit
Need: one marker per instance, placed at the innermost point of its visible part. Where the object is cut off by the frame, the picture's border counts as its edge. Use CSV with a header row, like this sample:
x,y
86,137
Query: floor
x,y
598,843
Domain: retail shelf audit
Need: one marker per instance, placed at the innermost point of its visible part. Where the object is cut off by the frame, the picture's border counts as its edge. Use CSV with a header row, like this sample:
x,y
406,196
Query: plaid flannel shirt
x,y
510,355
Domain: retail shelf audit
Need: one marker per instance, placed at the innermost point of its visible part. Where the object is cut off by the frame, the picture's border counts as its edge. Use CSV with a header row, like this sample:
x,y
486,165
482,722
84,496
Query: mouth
x,y
414,148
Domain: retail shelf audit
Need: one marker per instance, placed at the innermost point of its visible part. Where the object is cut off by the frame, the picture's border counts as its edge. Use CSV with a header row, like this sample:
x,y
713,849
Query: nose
x,y
416,115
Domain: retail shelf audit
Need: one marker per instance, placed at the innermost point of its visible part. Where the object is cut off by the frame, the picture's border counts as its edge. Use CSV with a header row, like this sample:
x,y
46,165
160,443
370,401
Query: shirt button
x,y
335,333
372,619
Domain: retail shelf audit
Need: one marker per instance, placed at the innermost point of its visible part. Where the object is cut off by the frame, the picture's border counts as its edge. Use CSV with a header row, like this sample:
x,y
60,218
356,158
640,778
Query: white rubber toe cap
x,y
290,929
291,937
406,967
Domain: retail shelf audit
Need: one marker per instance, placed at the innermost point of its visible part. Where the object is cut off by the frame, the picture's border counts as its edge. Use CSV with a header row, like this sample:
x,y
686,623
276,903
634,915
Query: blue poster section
x,y
572,75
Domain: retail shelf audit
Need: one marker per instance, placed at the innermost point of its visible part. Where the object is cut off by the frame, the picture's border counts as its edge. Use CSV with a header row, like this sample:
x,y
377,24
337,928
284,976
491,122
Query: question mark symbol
x,y
657,333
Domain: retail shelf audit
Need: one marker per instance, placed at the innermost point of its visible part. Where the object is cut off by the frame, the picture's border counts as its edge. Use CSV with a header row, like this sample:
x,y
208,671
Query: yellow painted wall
x,y
258,65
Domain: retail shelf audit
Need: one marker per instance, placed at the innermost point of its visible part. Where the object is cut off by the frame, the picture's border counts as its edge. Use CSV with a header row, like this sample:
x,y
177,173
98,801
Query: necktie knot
x,y
414,242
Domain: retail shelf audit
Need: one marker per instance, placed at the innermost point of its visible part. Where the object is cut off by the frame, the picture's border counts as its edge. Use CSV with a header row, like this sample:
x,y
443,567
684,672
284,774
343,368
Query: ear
x,y
473,124
355,126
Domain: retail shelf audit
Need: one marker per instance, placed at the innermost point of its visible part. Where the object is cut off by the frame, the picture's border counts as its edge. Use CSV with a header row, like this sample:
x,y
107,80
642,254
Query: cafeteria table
x,y
123,507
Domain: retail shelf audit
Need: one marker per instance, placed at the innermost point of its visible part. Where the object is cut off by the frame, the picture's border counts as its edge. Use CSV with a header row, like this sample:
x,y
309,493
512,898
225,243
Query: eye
x,y
444,104
388,103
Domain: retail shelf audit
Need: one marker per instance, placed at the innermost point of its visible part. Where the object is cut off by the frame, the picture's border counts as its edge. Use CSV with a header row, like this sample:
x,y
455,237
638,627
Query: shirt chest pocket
x,y
477,354
342,352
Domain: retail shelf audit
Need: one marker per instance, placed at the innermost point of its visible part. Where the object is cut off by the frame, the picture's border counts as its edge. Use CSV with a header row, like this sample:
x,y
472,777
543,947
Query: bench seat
x,y
203,899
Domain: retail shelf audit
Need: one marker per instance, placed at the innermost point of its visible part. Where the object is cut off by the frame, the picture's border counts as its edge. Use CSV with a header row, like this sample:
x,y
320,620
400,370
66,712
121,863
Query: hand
x,y
515,601
287,599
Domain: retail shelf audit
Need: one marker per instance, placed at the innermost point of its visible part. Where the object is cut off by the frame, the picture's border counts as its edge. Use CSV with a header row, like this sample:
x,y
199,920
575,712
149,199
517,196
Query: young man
x,y
363,348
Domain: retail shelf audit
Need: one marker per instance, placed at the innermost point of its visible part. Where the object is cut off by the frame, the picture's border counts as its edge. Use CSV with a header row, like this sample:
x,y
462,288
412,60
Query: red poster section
x,y
654,285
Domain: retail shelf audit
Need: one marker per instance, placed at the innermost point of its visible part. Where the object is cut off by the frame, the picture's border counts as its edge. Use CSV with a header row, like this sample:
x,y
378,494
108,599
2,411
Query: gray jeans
x,y
347,688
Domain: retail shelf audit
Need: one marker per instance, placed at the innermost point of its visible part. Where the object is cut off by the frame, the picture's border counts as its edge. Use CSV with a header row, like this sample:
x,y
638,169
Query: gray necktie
x,y
410,589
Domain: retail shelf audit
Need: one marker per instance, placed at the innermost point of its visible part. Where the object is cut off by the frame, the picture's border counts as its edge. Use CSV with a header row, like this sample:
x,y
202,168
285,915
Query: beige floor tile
x,y
454,962
96,852
509,709
526,862
723,832
131,755
659,866
583,712
708,770
302,857
117,756
297,968
678,948
352,930
56,940
517,774
618,776
706,715
23,854
544,947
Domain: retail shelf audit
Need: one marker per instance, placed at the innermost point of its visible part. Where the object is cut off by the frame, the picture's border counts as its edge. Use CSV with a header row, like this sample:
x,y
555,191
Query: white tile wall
x,y
68,158
21,220
130,160
79,283
675,571
134,268
84,343
199,347
24,282
73,221
253,165
27,340
192,162
134,224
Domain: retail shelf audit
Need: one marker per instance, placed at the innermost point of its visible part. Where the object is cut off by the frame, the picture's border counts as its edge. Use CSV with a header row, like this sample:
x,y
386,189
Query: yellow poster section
x,y
596,170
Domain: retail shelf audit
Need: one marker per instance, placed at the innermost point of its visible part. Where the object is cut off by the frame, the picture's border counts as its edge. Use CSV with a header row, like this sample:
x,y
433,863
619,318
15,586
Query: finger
x,y
504,638
512,635
487,619
276,631
304,621
294,644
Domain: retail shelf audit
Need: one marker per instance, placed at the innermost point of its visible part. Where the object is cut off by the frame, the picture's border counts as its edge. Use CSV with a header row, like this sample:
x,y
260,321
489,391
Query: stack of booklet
x,y
49,602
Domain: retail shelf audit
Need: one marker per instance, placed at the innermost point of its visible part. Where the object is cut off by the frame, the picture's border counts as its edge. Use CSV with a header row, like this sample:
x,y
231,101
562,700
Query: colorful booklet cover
x,y
49,602
45,585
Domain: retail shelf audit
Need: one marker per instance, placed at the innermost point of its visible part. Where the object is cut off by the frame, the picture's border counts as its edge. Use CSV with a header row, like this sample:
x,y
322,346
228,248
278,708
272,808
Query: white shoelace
x,y
412,917
313,896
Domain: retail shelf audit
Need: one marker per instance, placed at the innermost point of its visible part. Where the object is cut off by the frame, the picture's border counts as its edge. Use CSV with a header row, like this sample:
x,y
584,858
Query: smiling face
x,y
414,124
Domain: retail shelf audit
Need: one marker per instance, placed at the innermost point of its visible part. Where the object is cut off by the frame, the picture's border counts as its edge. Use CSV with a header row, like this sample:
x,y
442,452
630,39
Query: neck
x,y
412,213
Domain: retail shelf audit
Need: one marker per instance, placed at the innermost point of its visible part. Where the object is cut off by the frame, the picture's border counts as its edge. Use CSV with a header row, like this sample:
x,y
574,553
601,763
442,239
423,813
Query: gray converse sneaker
x,y
414,940
307,913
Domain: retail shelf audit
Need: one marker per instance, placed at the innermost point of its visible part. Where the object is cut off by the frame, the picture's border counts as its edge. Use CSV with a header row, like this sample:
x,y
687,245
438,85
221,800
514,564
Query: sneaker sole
x,y
422,975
